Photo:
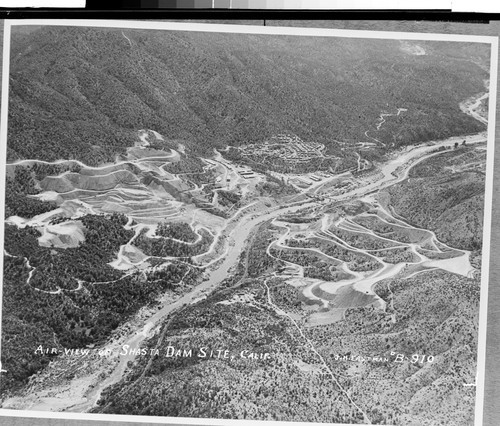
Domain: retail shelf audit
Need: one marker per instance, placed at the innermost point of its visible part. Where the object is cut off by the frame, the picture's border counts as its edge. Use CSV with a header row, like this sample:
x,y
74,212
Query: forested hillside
x,y
262,202
70,297
445,193
94,88
292,383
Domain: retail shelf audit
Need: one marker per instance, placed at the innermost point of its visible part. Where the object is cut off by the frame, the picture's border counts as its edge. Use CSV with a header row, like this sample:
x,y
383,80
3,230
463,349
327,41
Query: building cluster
x,y
246,172
289,148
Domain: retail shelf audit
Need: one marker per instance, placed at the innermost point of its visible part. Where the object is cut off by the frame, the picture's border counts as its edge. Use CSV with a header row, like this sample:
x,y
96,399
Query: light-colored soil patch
x,y
325,318
303,282
129,257
106,170
308,368
70,181
62,235
133,254
48,196
111,207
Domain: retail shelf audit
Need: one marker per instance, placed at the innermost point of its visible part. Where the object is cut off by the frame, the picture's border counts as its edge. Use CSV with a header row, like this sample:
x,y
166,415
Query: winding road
x,y
234,240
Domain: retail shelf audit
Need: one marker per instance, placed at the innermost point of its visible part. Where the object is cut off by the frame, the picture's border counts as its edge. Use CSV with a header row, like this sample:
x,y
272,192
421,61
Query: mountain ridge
x,y
90,87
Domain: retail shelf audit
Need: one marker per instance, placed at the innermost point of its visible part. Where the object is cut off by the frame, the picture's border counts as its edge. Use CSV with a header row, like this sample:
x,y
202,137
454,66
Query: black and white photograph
x,y
232,223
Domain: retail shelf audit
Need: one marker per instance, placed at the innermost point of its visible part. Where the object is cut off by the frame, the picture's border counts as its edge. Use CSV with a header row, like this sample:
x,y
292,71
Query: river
x,y
241,231
395,170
